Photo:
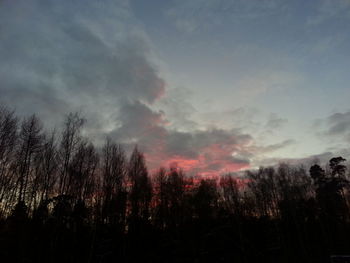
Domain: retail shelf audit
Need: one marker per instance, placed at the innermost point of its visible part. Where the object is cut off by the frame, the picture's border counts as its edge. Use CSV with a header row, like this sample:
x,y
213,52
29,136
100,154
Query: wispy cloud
x,y
189,16
329,9
335,126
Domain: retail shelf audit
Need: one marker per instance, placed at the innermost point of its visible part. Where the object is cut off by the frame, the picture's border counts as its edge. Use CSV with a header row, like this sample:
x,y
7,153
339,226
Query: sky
x,y
215,86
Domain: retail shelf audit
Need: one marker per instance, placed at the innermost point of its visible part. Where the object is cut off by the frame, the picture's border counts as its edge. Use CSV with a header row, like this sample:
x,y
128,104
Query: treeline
x,y
64,200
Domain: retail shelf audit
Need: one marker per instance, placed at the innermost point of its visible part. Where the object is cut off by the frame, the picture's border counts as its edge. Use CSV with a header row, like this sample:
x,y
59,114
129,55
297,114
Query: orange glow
x,y
213,161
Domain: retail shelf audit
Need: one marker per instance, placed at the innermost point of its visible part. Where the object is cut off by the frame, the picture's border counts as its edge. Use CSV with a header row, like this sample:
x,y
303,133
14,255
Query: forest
x,y
63,199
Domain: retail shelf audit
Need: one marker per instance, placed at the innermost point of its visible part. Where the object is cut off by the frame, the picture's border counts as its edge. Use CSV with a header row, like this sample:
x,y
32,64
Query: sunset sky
x,y
215,86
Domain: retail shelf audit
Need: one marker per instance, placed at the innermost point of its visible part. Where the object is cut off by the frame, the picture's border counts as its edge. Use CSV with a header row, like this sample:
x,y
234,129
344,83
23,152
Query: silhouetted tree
x,y
175,196
337,167
231,197
48,164
160,198
69,144
8,139
329,188
140,189
66,200
205,200
30,142
114,171
81,172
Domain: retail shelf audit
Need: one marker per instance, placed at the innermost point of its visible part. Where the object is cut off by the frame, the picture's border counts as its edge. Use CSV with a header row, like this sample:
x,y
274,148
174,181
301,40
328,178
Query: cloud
x,y
242,117
339,124
191,16
64,56
322,158
335,126
137,123
275,122
275,147
307,161
267,81
208,152
178,109
59,56
329,9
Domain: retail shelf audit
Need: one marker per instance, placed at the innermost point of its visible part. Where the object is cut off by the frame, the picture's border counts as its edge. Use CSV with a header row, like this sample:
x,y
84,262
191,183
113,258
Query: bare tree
x,y
46,169
231,197
30,142
82,172
69,143
8,140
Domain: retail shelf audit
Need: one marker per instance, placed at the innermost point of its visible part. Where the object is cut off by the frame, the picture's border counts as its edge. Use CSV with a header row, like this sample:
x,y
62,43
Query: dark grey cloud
x,y
339,123
138,123
60,56
335,127
210,151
